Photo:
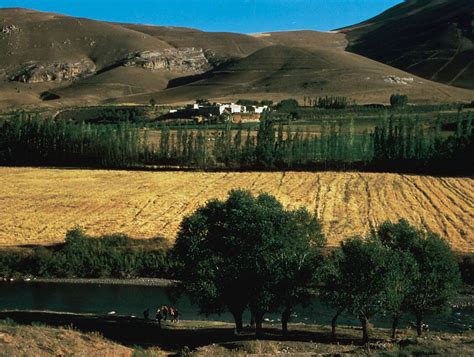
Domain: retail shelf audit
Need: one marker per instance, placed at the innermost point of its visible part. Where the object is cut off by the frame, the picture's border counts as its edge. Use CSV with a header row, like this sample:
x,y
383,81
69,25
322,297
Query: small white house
x,y
260,110
232,108
236,108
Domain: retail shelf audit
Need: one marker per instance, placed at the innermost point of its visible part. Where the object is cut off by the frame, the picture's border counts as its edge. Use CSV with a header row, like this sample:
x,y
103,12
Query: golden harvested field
x,y
40,205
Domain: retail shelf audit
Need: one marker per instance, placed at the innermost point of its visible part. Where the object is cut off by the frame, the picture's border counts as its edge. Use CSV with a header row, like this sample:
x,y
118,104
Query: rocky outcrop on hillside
x,y
38,73
176,60
392,79
172,59
7,30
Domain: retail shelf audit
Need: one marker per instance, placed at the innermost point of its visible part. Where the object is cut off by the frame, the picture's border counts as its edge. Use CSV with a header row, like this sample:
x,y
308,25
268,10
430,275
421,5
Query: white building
x,y
260,110
232,108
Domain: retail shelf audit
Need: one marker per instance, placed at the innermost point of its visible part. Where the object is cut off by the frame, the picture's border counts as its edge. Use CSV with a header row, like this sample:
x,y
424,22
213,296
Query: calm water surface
x,y
132,300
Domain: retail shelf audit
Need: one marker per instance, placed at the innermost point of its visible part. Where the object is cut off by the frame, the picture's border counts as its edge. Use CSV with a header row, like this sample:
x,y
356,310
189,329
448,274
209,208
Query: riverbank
x,y
162,283
203,338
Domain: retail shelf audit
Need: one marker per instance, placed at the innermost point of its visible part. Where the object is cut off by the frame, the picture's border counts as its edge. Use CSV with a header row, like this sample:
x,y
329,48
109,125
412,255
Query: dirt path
x,y
40,205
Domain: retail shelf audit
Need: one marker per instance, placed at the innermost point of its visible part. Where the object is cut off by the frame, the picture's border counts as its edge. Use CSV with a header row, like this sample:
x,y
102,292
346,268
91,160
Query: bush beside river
x,y
82,256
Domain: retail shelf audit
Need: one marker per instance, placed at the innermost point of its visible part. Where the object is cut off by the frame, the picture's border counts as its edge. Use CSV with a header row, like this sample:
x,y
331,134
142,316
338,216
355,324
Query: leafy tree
x,y
330,102
296,267
247,252
360,279
401,276
270,102
332,293
437,276
288,105
398,100
264,151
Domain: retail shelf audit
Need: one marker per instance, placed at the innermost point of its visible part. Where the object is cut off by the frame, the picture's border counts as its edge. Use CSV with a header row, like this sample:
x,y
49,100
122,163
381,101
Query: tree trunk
x,y
258,324
419,323
365,329
252,320
395,325
239,325
334,321
285,317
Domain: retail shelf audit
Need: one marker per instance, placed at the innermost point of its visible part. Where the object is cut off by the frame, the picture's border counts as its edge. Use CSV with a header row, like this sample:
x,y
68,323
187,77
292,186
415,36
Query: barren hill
x,y
279,71
55,60
224,44
433,39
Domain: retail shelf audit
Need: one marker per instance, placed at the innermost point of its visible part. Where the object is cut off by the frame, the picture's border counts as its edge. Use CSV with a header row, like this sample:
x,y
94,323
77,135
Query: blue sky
x,y
246,16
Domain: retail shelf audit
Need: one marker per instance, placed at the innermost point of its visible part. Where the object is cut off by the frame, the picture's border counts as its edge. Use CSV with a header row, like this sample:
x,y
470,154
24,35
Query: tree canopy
x,y
362,278
396,269
437,276
248,252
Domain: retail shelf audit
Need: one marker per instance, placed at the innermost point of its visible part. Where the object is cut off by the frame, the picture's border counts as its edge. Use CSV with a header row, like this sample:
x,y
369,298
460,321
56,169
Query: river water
x,y
133,300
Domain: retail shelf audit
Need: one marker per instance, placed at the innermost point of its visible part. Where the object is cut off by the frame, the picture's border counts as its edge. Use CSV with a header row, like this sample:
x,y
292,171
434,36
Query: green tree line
x,y
396,144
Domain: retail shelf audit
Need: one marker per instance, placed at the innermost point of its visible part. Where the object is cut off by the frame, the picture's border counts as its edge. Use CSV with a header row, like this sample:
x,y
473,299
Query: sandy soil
x,y
40,205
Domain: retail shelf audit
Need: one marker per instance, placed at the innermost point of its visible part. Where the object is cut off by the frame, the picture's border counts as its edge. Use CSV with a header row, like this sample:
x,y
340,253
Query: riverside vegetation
x,y
250,252
82,256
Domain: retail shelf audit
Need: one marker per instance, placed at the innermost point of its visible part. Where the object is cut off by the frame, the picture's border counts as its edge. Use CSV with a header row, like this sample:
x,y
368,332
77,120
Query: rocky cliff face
x,y
37,73
176,60
173,59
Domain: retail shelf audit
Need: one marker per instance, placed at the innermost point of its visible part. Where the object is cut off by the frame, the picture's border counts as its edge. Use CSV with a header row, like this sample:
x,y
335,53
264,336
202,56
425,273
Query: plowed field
x,y
38,206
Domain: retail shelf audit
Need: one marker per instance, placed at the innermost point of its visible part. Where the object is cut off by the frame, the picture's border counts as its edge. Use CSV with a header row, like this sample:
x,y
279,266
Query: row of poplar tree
x,y
405,144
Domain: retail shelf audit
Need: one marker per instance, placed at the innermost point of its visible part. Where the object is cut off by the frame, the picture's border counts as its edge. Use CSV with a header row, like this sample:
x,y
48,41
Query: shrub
x,y
398,100
87,257
9,261
288,105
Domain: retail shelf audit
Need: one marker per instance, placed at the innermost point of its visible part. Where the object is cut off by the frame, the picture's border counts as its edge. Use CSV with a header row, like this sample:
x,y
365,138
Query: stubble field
x,y
40,205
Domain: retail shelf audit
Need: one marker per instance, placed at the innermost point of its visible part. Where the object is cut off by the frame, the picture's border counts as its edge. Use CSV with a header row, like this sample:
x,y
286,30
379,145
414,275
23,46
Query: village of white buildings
x,y
224,112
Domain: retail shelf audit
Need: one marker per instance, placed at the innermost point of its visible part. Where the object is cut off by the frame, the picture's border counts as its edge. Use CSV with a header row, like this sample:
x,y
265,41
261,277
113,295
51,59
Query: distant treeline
x,y
32,141
403,144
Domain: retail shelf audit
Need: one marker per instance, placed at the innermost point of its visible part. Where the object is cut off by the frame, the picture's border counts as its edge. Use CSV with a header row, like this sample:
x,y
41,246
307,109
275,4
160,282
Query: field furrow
x,y
40,205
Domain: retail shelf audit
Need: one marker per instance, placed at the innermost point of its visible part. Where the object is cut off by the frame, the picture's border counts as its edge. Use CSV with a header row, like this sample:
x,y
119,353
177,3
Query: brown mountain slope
x,y
224,44
280,72
83,62
27,35
305,39
430,38
82,59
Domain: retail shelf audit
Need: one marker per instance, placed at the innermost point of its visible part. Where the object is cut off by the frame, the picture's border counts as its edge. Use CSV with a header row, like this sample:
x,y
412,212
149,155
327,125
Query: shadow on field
x,y
137,331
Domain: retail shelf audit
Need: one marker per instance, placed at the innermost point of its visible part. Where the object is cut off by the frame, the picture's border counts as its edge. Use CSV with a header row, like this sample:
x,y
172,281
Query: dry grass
x,y
40,205
304,340
317,343
47,341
